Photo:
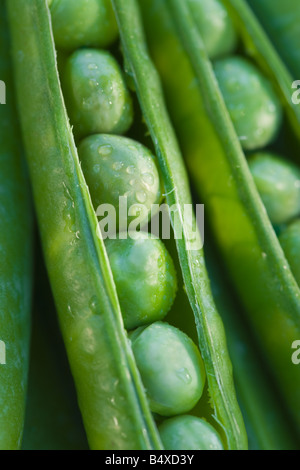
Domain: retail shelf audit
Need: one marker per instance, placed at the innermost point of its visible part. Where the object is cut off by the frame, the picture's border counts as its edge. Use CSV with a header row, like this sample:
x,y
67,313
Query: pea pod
x,y
267,422
281,21
111,396
245,236
16,261
52,420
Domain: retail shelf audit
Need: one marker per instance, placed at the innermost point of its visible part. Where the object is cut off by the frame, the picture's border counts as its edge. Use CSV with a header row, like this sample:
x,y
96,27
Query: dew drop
x,y
117,166
184,375
105,149
148,178
130,169
141,196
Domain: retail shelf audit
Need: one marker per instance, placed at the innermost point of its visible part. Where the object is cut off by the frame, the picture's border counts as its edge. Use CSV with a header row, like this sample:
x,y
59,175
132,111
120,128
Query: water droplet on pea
x,y
130,169
105,150
183,374
117,166
141,196
148,178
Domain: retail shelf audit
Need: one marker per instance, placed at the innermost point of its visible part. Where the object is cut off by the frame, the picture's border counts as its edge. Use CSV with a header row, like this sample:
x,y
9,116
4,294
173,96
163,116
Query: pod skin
x,y
76,260
16,262
247,241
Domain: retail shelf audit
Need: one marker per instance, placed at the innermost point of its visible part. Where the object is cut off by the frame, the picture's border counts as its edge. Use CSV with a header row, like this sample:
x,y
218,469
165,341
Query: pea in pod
x,y
281,21
215,155
114,404
16,261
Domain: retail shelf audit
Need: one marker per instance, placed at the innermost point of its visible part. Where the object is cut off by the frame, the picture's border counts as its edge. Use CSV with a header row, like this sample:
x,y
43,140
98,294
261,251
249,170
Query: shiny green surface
x,y
16,261
168,360
223,407
218,168
281,20
96,95
290,242
215,25
114,167
278,183
189,433
145,278
252,103
83,23
111,399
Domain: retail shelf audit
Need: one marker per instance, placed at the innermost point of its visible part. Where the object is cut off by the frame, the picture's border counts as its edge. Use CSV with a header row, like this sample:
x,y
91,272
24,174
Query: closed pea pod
x,y
16,247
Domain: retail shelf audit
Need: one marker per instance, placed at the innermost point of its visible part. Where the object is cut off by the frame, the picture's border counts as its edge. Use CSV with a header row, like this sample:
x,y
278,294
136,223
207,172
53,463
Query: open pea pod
x,y
16,259
112,399
245,237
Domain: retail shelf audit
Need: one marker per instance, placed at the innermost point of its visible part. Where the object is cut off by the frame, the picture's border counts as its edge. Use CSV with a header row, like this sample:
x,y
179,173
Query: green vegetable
x,y
96,95
290,242
115,167
252,103
281,20
16,261
83,23
278,183
52,420
145,278
189,433
215,25
168,360
111,395
249,247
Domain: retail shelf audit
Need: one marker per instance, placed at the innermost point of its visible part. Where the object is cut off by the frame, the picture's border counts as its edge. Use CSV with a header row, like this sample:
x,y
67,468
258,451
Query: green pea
x,y
253,106
215,26
96,95
77,23
290,242
171,368
145,278
189,433
278,183
116,166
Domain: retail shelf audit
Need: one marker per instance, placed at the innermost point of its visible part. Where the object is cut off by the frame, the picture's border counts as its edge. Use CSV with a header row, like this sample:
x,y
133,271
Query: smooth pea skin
x,y
171,368
253,106
189,433
77,23
290,242
215,26
96,95
145,278
278,183
115,167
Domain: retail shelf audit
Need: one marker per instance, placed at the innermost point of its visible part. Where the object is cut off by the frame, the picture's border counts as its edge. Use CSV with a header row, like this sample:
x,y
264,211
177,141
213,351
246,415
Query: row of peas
x,y
257,115
101,111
